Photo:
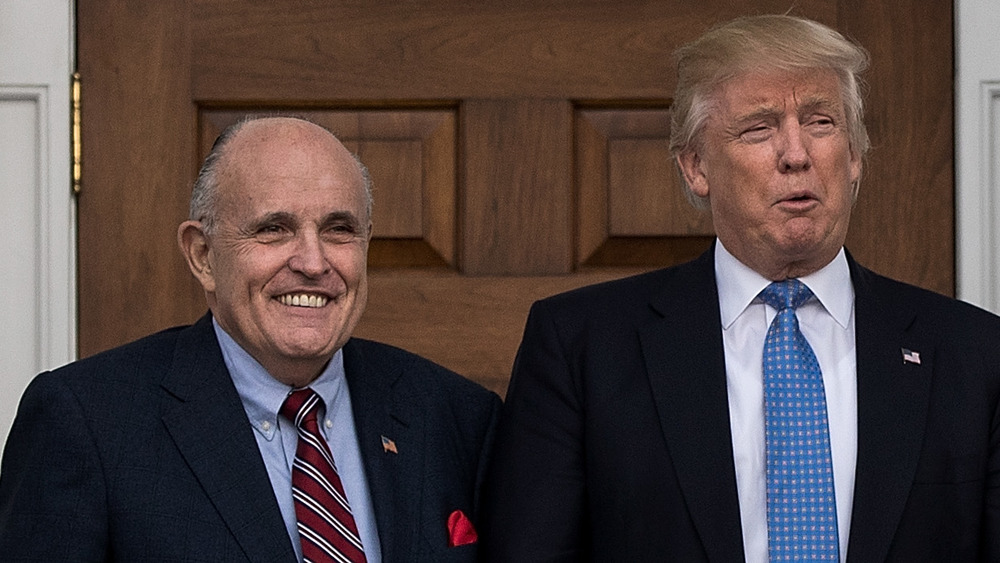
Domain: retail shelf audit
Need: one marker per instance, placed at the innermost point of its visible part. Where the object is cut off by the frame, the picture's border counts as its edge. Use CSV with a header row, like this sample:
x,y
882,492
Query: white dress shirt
x,y
827,321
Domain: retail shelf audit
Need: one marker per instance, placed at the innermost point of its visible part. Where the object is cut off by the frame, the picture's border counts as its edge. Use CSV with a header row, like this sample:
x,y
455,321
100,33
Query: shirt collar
x,y
263,395
739,285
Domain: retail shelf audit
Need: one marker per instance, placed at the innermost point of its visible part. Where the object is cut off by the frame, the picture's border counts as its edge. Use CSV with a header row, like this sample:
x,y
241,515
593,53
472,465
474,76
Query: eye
x,y
756,133
271,233
340,232
820,123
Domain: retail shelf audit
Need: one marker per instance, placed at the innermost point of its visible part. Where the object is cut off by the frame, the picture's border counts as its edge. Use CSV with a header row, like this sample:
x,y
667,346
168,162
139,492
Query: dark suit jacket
x,y
615,444
144,453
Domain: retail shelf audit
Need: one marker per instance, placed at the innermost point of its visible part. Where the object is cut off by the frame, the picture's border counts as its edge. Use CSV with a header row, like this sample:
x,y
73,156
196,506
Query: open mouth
x,y
798,200
303,300
800,197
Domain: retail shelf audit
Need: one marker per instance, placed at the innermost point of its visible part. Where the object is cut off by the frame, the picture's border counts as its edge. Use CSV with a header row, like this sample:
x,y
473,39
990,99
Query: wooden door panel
x,y
517,179
631,208
903,224
518,148
316,50
138,138
472,324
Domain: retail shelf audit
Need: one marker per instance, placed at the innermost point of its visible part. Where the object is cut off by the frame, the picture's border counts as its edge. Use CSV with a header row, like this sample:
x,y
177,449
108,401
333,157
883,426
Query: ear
x,y
856,164
690,164
195,247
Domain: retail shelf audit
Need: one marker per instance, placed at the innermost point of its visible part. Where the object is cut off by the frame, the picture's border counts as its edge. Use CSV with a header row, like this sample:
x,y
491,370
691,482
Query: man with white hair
x,y
263,432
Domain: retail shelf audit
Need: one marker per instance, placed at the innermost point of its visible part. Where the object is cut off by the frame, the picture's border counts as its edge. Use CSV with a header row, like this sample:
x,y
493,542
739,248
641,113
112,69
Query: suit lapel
x,y
381,409
207,422
686,366
893,398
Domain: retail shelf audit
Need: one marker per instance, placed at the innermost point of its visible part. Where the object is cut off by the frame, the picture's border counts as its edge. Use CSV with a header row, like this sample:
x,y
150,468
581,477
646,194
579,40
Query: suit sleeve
x,y
52,494
991,520
535,492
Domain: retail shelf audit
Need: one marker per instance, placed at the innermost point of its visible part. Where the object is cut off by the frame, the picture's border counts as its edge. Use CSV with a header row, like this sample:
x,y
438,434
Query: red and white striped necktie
x,y
326,526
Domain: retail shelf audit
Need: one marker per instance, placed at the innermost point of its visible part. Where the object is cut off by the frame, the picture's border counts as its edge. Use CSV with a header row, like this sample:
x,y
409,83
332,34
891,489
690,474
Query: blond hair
x,y
763,43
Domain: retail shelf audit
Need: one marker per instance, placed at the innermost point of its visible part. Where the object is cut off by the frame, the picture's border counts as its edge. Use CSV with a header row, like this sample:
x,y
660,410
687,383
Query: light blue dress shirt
x,y
262,397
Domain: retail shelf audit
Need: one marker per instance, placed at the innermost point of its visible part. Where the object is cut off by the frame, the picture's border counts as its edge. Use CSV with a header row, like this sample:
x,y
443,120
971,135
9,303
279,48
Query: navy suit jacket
x,y
615,443
145,453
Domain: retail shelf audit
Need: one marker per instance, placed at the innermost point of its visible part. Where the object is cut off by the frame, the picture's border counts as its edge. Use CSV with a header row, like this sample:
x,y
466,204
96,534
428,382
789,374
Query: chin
x,y
799,250
305,347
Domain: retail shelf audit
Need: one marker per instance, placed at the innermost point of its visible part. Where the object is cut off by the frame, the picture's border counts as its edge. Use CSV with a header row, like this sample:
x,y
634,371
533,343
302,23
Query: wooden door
x,y
518,148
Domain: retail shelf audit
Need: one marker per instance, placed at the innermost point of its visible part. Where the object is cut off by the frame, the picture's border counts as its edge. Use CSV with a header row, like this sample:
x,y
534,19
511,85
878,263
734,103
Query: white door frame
x,y
37,208
977,152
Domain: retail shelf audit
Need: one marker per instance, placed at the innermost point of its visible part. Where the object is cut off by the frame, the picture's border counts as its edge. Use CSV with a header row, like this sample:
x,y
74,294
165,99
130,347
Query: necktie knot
x,y
786,294
300,406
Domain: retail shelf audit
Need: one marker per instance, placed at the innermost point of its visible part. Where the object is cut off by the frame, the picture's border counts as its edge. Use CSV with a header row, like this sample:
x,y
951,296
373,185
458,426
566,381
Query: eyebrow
x,y
758,114
273,217
284,217
340,217
809,106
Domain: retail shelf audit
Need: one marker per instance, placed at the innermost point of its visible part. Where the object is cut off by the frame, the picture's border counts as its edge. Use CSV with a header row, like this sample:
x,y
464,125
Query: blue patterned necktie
x,y
801,511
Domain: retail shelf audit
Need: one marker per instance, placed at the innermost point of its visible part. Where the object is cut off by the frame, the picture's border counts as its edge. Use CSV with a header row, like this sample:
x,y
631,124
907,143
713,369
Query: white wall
x,y
977,143
37,212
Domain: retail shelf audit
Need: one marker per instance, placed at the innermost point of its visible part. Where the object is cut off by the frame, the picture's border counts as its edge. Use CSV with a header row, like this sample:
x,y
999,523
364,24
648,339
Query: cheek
x,y
255,269
742,176
841,178
352,264
222,273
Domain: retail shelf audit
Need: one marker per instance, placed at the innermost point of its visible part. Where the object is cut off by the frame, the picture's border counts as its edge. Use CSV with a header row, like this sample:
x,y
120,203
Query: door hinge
x,y
77,138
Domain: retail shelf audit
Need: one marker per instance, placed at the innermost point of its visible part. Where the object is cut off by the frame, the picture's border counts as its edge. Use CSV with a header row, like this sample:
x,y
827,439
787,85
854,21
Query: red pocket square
x,y
460,530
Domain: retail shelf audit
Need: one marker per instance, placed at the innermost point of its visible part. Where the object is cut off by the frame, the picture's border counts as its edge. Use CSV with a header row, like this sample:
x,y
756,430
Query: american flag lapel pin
x,y
911,356
389,446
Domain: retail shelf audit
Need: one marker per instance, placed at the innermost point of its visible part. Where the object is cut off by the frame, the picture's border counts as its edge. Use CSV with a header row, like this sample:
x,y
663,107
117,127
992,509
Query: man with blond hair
x,y
772,400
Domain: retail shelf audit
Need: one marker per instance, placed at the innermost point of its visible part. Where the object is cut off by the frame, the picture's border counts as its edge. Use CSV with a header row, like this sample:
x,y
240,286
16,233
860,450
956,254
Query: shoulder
x,y
100,392
425,377
688,279
634,287
613,308
125,369
923,309
155,350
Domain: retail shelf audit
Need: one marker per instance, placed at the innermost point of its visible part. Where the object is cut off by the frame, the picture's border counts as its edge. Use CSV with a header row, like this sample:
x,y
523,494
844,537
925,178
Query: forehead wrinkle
x,y
752,106
813,99
819,103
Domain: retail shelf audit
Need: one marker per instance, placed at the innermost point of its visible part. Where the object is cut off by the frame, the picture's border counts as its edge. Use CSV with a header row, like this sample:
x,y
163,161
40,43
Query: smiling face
x,y
284,270
776,166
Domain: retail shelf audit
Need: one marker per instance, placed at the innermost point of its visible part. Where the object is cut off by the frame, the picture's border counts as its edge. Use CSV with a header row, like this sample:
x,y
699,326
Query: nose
x,y
793,154
308,257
